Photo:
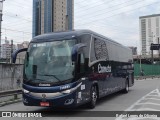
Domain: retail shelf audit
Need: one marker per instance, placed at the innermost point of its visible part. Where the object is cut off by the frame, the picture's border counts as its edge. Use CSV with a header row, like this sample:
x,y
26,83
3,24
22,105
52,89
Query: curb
x,y
143,78
10,102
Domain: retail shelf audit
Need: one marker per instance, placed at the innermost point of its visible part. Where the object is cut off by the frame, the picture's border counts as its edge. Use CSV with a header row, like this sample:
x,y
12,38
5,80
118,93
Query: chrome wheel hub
x,y
94,97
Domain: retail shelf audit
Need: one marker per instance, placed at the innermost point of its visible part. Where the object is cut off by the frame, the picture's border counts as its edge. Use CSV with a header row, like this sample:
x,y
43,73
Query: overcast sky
x,y
116,19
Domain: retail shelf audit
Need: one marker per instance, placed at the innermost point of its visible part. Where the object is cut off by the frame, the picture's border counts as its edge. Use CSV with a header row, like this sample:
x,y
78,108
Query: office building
x,y
52,16
149,32
6,50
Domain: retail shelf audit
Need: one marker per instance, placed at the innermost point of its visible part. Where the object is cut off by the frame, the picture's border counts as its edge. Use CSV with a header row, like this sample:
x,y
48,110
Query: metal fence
x,y
10,76
148,70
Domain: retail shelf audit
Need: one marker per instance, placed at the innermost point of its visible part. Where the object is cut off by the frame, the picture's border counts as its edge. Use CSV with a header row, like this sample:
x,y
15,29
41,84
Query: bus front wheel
x,y
94,97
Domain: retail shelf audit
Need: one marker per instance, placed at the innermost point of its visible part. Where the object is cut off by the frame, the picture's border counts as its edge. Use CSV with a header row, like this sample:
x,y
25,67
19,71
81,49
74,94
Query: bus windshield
x,y
49,62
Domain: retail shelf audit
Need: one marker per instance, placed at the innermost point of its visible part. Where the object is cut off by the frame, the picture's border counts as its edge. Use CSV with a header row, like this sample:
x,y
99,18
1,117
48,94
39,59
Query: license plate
x,y
44,103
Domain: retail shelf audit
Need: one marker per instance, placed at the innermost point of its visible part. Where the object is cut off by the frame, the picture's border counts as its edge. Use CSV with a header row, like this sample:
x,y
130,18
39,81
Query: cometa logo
x,y
104,69
44,85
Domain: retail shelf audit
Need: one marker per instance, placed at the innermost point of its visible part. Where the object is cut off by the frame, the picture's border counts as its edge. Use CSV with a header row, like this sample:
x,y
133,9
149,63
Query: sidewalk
x,y
145,77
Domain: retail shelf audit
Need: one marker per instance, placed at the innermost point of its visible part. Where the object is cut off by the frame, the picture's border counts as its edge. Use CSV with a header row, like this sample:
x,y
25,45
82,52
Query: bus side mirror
x,y
75,50
14,54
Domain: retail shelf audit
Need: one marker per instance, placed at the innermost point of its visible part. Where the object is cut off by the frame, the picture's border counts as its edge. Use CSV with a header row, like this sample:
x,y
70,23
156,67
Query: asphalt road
x,y
144,95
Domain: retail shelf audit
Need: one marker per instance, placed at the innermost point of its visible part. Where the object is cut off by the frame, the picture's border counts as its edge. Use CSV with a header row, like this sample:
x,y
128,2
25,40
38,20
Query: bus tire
x,y
94,96
126,90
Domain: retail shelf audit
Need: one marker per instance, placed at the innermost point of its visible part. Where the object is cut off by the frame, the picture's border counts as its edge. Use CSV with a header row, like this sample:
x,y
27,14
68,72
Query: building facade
x,y
52,16
6,50
149,32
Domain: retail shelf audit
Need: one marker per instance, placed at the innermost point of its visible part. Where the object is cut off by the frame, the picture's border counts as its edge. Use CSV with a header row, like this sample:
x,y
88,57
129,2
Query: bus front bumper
x,y
68,100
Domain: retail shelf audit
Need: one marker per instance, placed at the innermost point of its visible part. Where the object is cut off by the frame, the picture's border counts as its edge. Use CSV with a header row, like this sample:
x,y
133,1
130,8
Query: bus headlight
x,y
25,91
67,91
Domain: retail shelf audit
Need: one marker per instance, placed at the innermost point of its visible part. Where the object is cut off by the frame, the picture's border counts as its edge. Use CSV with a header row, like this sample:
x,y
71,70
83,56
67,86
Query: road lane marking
x,y
139,106
153,95
152,99
146,109
136,103
148,103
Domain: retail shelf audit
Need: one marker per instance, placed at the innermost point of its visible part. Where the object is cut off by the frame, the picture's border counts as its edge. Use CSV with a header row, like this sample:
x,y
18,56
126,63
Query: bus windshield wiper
x,y
34,80
54,77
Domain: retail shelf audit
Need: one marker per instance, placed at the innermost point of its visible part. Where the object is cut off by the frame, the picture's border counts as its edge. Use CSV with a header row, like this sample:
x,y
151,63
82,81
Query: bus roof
x,y
68,35
59,35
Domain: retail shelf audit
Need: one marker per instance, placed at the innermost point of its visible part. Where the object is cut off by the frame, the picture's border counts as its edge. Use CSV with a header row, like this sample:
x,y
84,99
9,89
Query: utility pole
x,y
11,49
13,72
140,62
1,8
159,48
152,57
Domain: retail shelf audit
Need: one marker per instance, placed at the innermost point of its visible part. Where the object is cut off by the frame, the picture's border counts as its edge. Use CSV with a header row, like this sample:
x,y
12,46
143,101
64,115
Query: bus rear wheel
x,y
126,90
94,97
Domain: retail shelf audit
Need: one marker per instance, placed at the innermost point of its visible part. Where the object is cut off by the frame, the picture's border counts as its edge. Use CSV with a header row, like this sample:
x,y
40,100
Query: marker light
x,y
25,91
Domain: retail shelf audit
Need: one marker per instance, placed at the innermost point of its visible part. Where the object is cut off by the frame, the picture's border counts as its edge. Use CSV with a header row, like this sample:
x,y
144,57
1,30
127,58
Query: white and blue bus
x,y
68,69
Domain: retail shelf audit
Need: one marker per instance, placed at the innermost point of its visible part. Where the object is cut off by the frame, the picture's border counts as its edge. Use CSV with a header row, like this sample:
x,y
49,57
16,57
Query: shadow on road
x,y
81,111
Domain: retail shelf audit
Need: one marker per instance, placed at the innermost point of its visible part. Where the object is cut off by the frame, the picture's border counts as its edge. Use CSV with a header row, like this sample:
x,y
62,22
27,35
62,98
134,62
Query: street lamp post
x,y
140,62
159,48
1,8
